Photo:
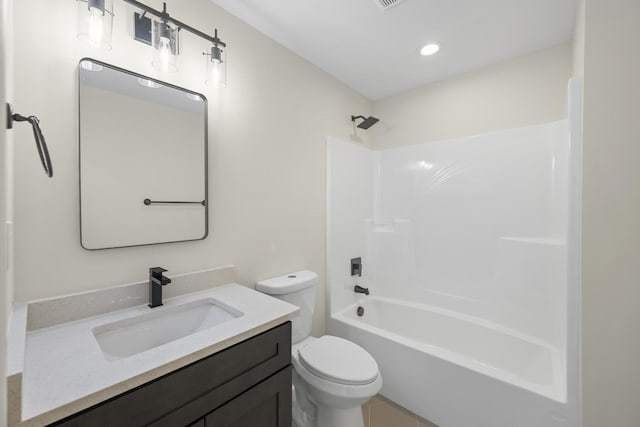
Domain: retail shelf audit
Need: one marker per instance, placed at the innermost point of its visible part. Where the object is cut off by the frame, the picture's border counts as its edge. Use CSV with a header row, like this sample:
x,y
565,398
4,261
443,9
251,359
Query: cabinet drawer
x,y
267,405
230,372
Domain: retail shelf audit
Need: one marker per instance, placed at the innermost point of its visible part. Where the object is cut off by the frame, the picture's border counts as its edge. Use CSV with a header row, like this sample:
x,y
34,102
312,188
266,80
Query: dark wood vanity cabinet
x,y
246,385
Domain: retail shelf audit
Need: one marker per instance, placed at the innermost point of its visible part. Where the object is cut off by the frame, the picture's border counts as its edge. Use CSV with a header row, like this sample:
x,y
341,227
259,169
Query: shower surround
x,y
464,249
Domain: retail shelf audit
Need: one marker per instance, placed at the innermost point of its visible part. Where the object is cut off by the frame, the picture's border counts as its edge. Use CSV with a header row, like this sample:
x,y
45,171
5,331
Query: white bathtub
x,y
457,370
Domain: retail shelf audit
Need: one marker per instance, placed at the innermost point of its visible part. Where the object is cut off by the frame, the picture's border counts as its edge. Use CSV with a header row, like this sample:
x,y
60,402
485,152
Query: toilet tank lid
x,y
288,283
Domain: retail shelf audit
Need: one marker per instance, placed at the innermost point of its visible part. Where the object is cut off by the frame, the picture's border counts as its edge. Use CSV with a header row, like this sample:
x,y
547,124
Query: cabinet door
x,y
268,404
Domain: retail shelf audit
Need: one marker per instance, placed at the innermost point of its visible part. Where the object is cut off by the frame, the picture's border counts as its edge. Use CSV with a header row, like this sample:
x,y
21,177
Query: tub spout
x,y
360,290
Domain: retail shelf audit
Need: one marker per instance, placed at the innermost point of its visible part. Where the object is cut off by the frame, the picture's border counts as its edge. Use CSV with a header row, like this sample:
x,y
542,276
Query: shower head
x,y
367,121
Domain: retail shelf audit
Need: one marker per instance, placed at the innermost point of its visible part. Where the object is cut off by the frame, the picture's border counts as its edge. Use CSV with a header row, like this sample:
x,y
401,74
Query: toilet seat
x,y
338,360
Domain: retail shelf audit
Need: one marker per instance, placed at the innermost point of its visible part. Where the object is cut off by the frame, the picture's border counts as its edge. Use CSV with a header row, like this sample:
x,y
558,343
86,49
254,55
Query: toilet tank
x,y
299,289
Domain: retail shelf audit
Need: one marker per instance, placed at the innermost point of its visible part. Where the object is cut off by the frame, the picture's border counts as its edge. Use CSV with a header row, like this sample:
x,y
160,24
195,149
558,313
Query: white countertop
x,y
65,371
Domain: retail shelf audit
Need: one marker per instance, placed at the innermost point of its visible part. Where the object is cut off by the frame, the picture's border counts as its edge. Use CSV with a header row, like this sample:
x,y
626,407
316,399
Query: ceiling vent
x,y
387,4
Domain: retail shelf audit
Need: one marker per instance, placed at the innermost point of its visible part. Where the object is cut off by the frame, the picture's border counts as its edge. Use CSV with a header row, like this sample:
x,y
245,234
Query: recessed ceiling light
x,y
429,49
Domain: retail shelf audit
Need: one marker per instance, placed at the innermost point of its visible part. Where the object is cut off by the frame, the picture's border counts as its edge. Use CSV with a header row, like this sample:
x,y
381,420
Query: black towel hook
x,y
41,144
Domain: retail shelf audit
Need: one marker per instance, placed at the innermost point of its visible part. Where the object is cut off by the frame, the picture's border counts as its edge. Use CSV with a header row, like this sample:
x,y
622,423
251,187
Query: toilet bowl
x,y
332,377
338,376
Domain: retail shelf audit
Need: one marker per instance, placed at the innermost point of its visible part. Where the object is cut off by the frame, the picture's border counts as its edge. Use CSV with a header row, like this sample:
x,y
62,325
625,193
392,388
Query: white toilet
x,y
332,377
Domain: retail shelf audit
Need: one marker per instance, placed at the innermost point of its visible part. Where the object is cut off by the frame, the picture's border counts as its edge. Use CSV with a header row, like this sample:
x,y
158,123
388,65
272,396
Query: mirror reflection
x,y
143,159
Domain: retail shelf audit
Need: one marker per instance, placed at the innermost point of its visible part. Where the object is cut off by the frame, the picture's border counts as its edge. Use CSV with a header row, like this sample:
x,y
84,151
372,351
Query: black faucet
x,y
156,282
360,290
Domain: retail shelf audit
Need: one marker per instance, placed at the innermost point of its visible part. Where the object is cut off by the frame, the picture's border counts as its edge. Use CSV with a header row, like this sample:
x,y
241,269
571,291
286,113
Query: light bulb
x,y
95,22
164,53
215,75
165,47
96,28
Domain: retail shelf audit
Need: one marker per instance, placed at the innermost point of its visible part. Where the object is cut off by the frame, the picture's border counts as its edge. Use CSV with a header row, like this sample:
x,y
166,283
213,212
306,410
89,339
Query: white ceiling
x,y
376,51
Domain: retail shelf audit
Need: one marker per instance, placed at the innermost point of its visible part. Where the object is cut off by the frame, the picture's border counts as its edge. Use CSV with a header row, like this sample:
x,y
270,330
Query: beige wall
x,y
524,91
578,41
611,215
267,153
5,283
4,298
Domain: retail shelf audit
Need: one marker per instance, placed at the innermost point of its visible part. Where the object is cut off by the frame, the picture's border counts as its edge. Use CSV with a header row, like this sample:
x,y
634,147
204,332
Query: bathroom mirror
x,y
143,159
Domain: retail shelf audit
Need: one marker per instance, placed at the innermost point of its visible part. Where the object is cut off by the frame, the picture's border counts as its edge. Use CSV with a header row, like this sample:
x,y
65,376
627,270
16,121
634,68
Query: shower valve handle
x,y
356,267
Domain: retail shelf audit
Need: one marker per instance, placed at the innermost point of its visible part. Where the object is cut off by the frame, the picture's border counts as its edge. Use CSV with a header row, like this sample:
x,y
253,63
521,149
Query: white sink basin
x,y
160,326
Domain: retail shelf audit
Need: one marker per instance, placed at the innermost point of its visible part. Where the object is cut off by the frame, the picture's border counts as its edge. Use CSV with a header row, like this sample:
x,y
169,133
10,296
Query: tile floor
x,y
382,412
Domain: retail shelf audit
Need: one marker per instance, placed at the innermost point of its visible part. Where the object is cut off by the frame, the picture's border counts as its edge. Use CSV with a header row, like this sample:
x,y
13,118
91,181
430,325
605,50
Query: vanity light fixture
x,y
95,22
161,31
164,39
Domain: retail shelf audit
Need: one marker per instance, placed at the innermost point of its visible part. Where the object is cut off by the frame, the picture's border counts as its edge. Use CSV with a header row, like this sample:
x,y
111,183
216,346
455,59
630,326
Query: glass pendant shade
x,y
164,39
217,66
95,22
